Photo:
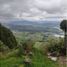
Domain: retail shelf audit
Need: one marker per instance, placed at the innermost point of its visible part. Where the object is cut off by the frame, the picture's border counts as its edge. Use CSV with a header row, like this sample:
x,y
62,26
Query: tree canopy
x,y
63,25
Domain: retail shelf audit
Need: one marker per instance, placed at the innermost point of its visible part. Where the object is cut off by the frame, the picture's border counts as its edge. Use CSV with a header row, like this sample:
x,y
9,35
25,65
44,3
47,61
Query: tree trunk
x,y
65,42
65,39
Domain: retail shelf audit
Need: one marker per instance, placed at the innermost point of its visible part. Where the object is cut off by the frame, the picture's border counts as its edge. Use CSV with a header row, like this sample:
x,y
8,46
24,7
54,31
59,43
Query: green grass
x,y
38,60
11,62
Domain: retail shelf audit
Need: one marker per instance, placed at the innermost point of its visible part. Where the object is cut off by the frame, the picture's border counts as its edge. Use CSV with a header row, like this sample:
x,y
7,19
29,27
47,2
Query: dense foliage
x,y
7,37
63,25
56,45
3,47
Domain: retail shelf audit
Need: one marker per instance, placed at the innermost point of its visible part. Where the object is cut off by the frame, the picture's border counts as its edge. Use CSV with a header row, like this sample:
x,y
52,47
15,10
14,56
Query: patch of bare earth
x,y
62,61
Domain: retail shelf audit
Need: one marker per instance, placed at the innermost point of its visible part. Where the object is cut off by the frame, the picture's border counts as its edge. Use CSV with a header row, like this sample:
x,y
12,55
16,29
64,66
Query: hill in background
x,y
49,27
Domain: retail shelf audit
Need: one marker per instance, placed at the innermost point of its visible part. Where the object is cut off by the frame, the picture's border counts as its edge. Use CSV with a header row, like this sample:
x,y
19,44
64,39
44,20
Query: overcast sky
x,y
33,9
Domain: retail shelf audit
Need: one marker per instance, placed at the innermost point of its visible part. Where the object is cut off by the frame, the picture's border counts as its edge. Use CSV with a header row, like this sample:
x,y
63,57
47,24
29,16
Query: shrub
x,y
57,46
3,47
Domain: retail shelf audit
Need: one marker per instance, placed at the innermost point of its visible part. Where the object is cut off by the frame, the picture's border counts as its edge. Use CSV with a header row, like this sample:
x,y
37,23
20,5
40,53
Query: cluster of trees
x,y
7,37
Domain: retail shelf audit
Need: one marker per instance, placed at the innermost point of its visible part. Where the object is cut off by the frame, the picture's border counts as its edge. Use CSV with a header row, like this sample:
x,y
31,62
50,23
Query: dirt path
x,y
62,61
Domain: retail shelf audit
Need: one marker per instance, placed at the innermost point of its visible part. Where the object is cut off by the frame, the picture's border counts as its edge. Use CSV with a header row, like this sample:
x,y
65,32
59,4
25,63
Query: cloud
x,y
33,9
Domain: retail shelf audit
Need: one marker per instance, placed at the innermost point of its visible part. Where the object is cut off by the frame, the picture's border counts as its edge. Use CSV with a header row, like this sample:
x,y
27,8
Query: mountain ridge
x,y
35,26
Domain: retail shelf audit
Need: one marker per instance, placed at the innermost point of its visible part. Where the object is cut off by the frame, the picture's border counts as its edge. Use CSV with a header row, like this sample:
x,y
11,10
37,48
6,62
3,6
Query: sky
x,y
33,10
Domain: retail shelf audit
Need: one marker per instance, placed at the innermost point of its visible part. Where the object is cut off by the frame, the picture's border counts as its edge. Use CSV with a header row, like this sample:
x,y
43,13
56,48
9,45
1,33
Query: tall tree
x,y
63,26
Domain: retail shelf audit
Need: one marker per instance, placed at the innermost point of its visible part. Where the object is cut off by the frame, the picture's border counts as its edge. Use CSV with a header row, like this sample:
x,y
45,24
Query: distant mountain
x,y
35,26
38,23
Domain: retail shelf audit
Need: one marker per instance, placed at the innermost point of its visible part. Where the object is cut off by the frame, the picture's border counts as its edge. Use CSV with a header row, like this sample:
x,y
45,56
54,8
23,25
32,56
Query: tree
x,y
7,37
63,26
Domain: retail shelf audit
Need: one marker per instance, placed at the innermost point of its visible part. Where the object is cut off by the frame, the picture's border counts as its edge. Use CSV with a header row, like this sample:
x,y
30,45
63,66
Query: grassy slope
x,y
38,60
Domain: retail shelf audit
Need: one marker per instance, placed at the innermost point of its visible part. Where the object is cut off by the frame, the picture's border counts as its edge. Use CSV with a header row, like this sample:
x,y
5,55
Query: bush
x,y
57,46
3,47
